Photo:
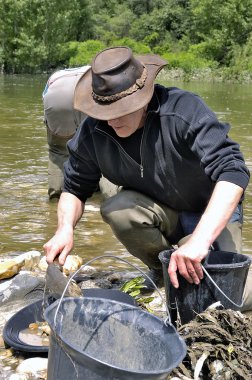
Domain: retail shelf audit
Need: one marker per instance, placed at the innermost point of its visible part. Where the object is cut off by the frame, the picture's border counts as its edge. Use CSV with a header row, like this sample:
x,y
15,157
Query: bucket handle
x,y
167,320
219,289
214,283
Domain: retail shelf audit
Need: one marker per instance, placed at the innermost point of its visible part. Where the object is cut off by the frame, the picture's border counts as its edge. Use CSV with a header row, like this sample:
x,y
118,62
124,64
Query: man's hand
x,y
60,244
187,261
187,258
70,210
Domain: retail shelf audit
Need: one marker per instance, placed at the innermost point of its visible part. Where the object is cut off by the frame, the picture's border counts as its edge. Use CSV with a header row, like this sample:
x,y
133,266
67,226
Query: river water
x,y
28,219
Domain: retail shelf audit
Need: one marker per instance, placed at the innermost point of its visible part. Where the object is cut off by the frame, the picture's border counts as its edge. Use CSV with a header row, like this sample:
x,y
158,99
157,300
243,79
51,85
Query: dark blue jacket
x,y
184,151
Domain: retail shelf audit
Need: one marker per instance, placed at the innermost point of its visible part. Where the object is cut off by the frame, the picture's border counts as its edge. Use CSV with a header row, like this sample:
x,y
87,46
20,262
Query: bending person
x,y
180,174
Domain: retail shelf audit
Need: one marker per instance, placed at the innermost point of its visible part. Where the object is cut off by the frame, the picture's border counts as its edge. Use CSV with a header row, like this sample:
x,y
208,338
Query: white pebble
x,y
16,376
33,366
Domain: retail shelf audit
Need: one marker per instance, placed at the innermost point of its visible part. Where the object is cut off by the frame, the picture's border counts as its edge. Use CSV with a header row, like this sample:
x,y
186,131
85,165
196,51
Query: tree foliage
x,y
219,26
43,35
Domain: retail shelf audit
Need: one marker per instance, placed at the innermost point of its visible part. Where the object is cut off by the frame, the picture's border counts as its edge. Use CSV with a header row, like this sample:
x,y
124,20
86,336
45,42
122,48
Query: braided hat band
x,y
112,98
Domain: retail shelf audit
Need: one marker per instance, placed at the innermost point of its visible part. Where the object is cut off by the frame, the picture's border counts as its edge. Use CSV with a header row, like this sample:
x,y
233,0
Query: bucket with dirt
x,y
95,338
225,275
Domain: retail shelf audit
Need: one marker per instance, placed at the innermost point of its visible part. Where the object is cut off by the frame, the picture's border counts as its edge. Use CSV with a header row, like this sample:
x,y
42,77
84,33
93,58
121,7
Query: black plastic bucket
x,y
227,270
97,339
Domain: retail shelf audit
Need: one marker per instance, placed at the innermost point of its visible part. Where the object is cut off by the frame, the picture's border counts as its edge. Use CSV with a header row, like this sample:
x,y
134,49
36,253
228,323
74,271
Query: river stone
x,y
19,376
36,367
10,267
87,270
26,285
24,289
1,342
72,263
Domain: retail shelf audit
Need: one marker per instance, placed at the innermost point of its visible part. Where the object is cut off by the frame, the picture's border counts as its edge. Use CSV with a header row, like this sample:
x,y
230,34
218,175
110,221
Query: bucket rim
x,y
64,342
163,257
218,267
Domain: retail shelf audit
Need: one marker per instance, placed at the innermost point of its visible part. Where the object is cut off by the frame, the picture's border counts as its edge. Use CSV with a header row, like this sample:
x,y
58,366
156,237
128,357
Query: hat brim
x,y
84,102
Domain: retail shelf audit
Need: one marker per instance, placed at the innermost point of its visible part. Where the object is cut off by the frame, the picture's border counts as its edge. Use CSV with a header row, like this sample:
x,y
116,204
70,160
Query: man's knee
x,y
116,211
107,188
230,239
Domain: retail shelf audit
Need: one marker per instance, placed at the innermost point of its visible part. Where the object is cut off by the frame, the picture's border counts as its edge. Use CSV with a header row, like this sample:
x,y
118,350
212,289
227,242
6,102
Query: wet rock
x,y
114,277
16,376
6,353
22,290
35,367
100,274
72,263
159,303
87,270
1,342
10,267
103,283
25,286
43,264
88,284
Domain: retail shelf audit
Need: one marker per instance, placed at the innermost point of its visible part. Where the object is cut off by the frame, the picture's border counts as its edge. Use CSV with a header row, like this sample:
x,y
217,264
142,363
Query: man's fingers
x,y
198,269
63,255
189,266
172,272
51,255
192,273
52,250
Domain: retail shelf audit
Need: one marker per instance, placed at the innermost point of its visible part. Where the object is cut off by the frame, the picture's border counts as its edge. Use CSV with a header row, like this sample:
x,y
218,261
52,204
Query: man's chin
x,y
122,134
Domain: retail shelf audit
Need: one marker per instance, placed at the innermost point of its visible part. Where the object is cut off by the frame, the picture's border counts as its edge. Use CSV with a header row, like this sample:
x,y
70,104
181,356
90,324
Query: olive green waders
x,y
57,155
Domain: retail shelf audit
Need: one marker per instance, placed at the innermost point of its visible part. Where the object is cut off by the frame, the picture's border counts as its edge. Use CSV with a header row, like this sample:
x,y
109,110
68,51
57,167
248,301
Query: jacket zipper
x,y
126,154
141,145
141,155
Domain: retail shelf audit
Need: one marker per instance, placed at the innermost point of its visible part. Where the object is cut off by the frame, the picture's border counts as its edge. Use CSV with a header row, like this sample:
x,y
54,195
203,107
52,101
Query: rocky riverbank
x,y
23,281
219,342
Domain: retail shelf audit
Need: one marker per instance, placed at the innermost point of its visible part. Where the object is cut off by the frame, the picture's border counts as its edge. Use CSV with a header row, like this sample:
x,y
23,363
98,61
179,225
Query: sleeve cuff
x,y
238,178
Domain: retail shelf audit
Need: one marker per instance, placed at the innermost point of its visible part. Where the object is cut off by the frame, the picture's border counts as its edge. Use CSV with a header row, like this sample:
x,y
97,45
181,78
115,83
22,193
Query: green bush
x,y
82,53
162,49
85,52
242,57
152,39
67,51
211,50
137,47
187,61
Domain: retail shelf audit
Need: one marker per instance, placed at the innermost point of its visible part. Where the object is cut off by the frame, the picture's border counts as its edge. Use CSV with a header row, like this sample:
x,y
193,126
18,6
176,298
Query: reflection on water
x,y
28,219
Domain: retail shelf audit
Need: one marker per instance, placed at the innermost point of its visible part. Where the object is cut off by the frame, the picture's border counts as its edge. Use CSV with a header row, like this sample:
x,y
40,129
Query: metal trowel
x,y
56,283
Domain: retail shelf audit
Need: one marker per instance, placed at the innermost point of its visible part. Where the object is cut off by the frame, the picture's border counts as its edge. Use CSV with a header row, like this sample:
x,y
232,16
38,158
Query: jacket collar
x,y
154,105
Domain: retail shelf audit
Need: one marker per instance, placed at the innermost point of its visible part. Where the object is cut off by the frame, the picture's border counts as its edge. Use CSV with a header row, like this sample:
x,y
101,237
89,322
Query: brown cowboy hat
x,y
117,83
